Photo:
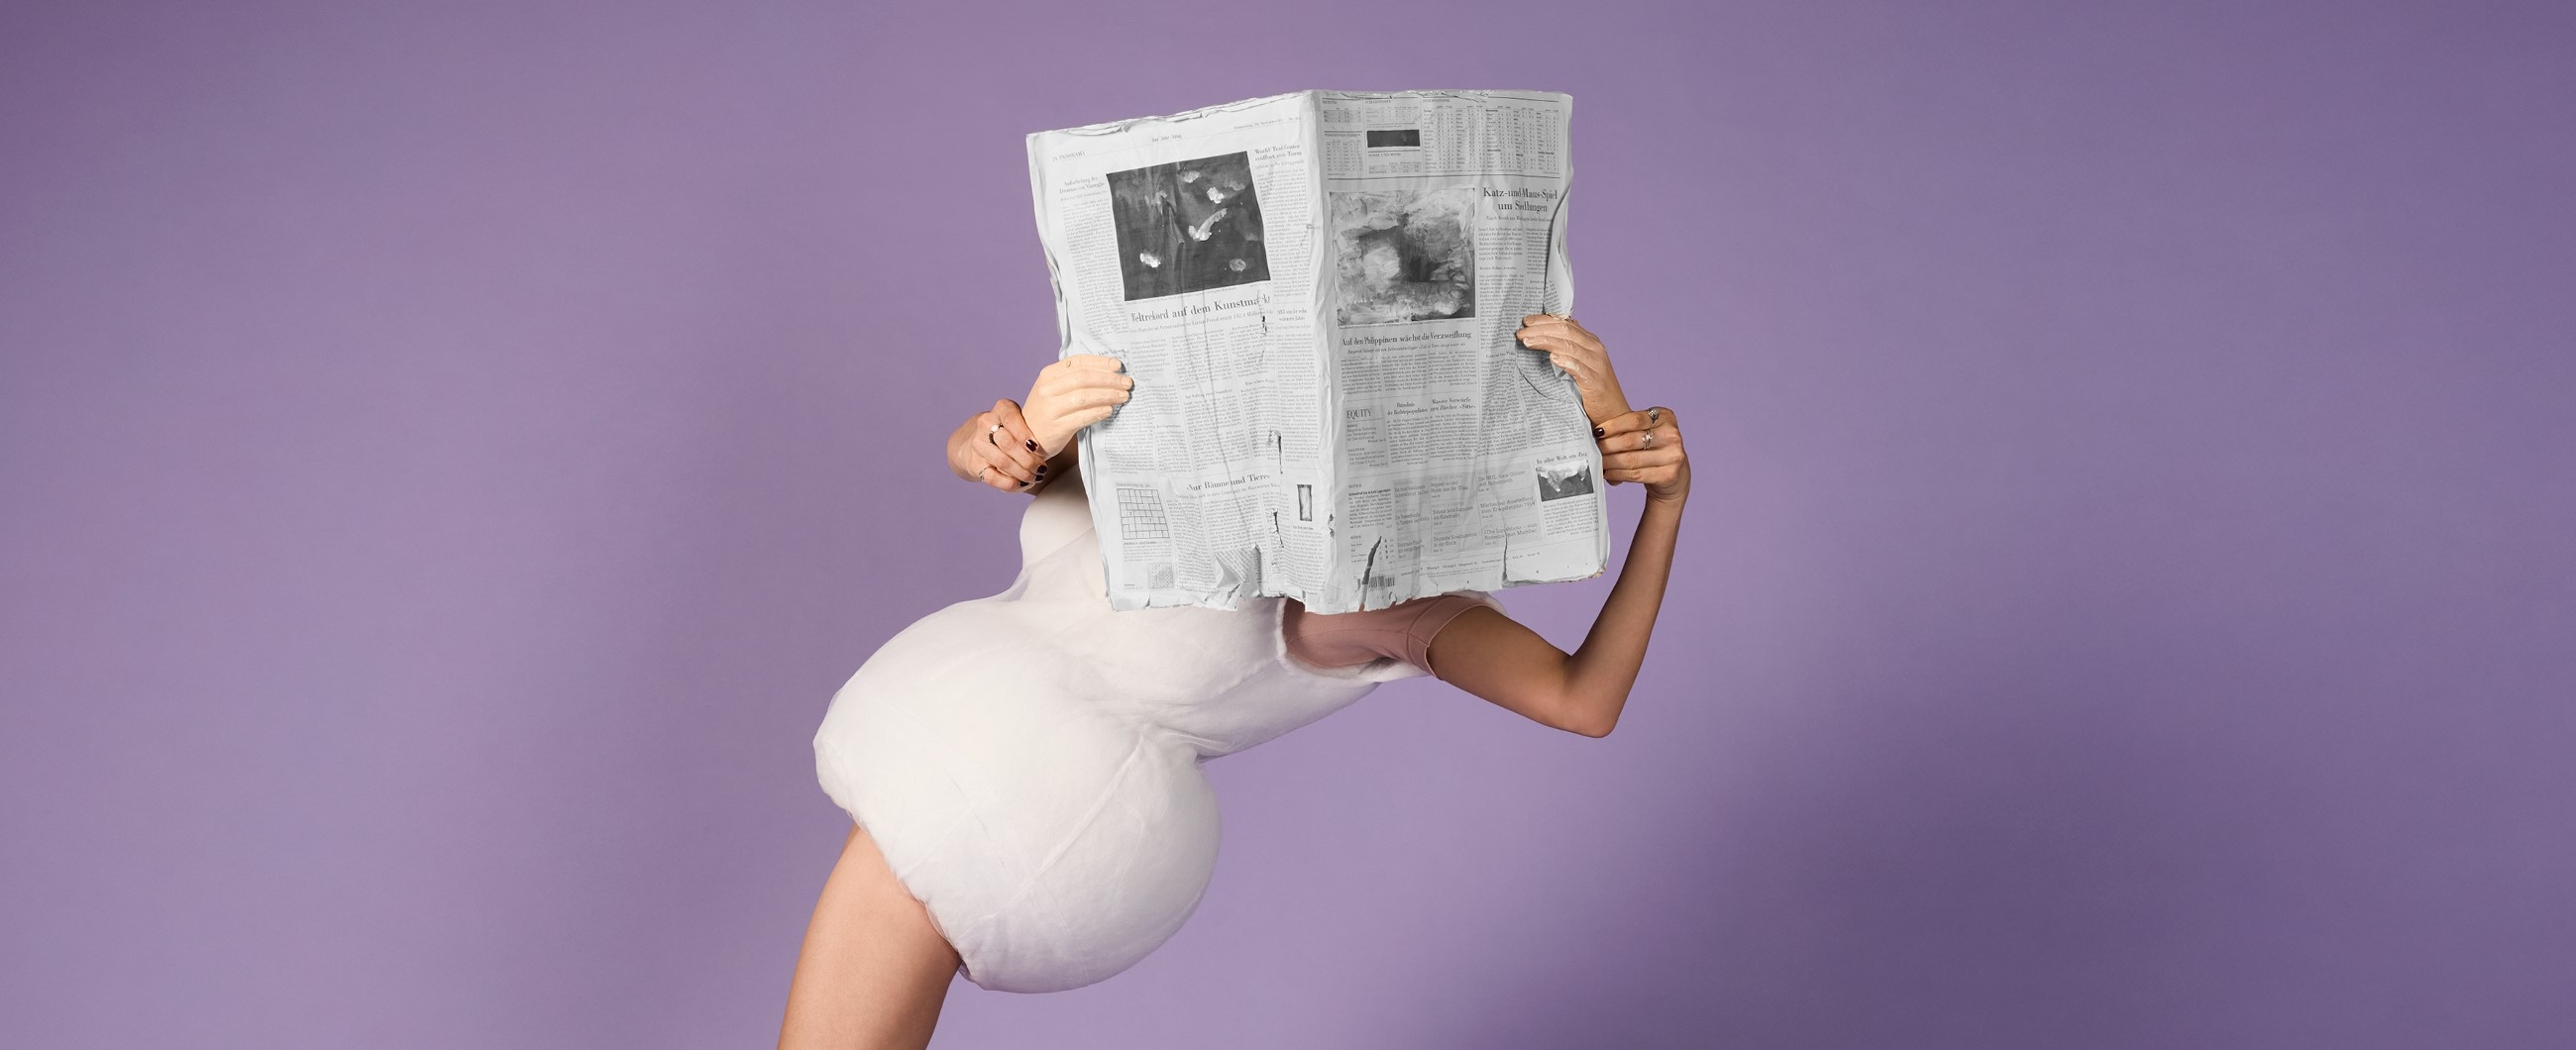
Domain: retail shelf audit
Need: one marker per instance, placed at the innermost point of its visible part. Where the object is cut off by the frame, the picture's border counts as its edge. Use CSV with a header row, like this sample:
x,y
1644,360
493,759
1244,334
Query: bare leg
x,y
874,971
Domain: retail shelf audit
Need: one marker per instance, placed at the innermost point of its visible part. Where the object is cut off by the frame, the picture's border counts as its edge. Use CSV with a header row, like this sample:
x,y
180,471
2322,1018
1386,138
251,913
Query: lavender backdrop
x,y
450,453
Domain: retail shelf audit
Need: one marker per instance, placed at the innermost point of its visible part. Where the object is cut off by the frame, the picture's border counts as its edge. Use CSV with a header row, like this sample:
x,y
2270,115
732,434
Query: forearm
x,y
1599,673
1495,657
1489,654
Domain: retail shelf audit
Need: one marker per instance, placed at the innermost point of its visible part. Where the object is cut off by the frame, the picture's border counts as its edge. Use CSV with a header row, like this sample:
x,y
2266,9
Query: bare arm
x,y
1493,656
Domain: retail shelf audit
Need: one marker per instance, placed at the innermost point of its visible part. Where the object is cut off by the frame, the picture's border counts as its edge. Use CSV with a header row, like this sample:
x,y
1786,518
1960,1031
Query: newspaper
x,y
1315,294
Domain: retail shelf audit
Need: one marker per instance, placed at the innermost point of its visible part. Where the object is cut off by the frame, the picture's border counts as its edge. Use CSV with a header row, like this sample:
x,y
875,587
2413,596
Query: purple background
x,y
449,458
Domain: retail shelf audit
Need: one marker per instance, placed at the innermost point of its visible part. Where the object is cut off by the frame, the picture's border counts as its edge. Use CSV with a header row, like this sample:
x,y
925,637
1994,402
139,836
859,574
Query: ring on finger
x,y
979,471
988,434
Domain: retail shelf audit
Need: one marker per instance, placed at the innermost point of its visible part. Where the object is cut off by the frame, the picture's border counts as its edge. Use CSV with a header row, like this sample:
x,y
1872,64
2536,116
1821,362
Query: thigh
x,y
874,970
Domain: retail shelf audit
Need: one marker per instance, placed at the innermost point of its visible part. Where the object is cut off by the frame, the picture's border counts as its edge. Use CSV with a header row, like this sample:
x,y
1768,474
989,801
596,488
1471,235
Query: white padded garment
x,y
1028,763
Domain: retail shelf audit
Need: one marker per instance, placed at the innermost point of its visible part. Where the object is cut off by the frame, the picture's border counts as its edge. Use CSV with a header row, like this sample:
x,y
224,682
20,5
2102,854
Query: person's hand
x,y
1580,354
1071,394
1646,447
998,449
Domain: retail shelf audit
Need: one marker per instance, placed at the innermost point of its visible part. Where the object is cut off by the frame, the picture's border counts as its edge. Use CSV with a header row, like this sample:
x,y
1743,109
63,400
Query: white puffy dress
x,y
1028,763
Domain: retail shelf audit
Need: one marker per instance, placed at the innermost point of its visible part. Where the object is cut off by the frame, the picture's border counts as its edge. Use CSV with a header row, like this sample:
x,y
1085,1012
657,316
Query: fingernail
x,y
1033,446
1598,432
1042,470
1024,484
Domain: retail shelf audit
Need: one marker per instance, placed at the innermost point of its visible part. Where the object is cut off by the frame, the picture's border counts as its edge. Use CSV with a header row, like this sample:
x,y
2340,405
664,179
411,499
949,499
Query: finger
x,y
1556,344
1560,328
1540,324
1101,397
1570,365
1567,331
1092,378
1640,459
1017,438
1650,474
991,478
1072,384
1081,364
1061,403
1623,423
1536,335
1567,348
1004,465
1083,417
1659,421
1658,437
1655,476
1002,471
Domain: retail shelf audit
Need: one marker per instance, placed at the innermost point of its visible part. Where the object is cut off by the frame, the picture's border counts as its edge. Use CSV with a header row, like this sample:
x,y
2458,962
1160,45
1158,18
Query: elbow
x,y
1595,730
1594,719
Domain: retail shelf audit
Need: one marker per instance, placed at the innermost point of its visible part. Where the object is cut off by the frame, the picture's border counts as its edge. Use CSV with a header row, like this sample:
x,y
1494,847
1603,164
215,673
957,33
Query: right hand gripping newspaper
x,y
1315,294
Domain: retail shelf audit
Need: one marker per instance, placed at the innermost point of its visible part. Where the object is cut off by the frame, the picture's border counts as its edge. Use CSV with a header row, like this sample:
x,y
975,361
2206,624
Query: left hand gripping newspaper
x,y
1316,295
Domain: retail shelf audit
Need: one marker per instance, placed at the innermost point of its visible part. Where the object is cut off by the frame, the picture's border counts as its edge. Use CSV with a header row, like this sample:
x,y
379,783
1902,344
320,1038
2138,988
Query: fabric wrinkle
x,y
1030,762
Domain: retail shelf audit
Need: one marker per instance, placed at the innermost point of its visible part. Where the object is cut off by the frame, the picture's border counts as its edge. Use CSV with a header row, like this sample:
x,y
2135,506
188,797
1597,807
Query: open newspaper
x,y
1315,294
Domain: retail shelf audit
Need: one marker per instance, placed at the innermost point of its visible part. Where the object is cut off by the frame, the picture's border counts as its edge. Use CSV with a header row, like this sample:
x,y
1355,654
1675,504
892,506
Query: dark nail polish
x,y
1597,432
1042,470
1033,446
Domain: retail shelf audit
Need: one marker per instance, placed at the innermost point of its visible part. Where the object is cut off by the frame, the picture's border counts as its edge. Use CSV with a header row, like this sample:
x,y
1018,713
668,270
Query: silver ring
x,y
979,471
1647,440
988,435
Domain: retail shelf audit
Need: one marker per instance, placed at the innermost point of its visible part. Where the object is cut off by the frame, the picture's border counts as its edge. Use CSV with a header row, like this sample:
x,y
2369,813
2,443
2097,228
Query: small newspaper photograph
x,y
1315,294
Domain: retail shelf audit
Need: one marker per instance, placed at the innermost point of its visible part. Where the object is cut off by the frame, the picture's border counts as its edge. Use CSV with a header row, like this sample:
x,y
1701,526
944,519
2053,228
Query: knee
x,y
879,904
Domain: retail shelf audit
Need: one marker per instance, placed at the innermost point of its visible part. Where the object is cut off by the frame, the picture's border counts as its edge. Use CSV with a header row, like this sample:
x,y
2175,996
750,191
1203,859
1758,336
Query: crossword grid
x,y
1140,513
